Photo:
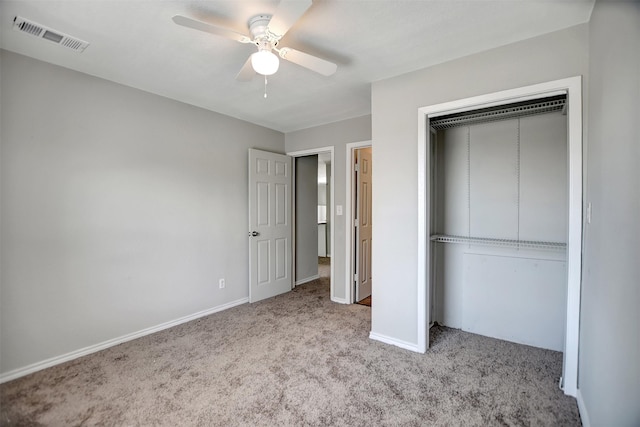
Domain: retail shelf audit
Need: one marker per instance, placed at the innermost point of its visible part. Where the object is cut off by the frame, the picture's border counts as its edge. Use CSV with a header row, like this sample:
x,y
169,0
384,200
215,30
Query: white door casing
x,y
270,228
364,227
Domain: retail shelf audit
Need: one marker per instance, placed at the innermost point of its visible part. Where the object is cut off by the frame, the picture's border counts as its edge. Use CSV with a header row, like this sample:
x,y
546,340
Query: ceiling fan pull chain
x,y
265,87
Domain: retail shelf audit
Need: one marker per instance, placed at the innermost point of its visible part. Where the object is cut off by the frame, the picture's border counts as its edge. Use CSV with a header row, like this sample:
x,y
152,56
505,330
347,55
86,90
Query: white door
x,y
269,224
363,223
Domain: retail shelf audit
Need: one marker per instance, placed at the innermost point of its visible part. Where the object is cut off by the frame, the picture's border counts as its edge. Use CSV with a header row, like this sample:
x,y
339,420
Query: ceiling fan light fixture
x,y
265,62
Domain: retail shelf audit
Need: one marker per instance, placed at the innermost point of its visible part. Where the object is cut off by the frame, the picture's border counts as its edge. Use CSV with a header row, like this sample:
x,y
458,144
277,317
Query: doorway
x,y
313,199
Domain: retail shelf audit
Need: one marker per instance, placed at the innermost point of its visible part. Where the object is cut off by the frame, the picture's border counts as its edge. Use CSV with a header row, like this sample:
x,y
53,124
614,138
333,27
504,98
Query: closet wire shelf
x,y
485,241
530,109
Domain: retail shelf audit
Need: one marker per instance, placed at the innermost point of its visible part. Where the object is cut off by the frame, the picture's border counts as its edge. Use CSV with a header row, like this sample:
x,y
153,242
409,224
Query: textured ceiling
x,y
135,43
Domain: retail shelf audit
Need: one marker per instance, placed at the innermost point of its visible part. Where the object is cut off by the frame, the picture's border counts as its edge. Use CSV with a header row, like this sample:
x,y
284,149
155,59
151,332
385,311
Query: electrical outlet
x,y
221,283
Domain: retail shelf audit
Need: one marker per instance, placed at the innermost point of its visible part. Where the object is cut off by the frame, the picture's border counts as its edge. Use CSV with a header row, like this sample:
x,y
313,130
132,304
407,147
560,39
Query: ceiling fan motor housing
x,y
258,26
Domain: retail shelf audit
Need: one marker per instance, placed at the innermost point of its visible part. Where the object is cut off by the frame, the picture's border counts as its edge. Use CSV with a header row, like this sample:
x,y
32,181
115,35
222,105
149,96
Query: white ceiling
x,y
135,43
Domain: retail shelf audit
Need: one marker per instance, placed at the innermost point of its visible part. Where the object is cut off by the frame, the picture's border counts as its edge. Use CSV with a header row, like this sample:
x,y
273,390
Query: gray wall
x,y
395,104
120,210
322,194
610,321
338,135
306,218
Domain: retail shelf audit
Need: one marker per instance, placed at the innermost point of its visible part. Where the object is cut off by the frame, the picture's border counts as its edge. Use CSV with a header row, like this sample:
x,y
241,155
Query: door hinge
x,y
355,277
356,223
357,168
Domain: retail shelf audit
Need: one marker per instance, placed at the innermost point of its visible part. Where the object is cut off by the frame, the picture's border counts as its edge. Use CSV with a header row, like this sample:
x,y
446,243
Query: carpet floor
x,y
296,359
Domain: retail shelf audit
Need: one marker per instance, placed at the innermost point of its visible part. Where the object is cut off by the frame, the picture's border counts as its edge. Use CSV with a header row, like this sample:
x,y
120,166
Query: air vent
x,y
37,30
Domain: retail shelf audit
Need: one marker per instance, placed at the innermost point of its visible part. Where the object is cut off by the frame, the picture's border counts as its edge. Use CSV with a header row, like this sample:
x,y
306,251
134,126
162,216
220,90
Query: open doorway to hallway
x,y
312,218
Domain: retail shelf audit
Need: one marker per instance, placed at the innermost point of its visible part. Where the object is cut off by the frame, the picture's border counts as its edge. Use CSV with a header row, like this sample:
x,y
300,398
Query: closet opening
x,y
500,197
498,220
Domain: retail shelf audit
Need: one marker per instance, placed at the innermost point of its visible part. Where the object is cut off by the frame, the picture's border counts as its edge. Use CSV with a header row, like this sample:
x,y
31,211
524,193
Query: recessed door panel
x,y
281,204
281,169
281,259
366,205
365,257
262,167
264,262
263,203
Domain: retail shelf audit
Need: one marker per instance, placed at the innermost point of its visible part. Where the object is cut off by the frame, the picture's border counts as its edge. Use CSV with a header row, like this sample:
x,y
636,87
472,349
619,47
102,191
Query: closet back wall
x,y
503,180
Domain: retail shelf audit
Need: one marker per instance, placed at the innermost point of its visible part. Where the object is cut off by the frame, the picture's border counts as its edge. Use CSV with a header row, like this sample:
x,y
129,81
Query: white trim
x,y
20,372
332,215
574,240
311,151
340,300
349,225
582,408
307,280
572,86
393,341
423,231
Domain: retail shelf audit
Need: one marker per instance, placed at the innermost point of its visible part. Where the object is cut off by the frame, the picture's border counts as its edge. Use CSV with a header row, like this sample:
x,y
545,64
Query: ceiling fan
x,y
266,32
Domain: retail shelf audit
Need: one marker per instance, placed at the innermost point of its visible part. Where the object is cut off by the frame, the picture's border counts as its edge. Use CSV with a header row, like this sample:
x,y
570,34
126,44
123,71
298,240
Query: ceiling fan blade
x,y
208,28
246,72
311,62
286,14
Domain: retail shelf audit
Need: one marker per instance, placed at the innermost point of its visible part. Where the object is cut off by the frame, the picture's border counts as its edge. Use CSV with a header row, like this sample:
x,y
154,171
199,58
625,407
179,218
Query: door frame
x,y
349,208
311,152
572,87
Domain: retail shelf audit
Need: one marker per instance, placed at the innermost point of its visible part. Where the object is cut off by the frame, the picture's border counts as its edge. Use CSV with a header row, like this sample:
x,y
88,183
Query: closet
x,y
499,205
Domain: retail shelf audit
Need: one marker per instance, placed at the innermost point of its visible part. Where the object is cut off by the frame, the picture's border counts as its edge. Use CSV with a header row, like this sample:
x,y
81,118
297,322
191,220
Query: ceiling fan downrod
x,y
265,87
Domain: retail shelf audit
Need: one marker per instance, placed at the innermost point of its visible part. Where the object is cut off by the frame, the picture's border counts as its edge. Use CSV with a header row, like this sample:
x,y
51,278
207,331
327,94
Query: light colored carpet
x,y
296,359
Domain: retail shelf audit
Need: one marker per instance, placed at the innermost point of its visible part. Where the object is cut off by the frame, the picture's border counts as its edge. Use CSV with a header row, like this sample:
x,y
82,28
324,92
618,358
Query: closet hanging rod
x,y
540,106
485,241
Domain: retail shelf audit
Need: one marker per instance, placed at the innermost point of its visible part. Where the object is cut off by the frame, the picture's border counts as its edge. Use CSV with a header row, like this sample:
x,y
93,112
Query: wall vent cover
x,y
40,31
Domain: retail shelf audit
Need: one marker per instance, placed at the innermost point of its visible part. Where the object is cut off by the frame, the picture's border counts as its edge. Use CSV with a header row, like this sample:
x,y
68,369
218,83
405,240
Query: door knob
x,y
254,233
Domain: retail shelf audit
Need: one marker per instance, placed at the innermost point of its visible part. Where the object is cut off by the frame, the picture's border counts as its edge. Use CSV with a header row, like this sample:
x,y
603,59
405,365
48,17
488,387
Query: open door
x,y
270,228
363,223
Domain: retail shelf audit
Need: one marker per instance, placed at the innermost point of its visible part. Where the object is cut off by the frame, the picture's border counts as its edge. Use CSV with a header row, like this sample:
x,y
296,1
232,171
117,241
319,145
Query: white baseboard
x,y
308,279
339,300
393,341
26,370
584,416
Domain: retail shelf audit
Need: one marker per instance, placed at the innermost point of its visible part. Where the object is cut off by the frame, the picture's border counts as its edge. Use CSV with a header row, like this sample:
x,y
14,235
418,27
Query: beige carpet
x,y
296,359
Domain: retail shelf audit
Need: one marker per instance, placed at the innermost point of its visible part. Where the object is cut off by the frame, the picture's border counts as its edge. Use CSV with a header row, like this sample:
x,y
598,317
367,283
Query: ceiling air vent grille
x,y
40,31
28,27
